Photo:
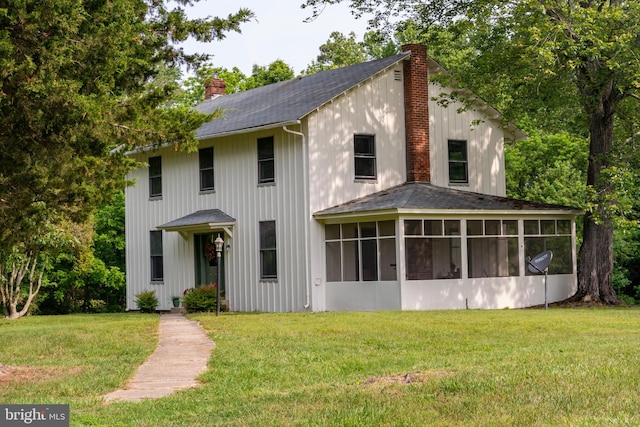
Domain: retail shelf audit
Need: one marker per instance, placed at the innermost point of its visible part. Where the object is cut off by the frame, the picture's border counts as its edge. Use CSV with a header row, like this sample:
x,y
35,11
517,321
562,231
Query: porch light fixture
x,y
219,245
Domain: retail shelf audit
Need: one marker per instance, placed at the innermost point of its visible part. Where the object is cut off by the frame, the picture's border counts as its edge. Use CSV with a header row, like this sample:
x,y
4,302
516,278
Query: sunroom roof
x,y
425,197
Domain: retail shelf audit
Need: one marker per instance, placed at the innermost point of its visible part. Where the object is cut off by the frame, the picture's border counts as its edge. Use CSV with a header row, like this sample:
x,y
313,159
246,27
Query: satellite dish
x,y
540,262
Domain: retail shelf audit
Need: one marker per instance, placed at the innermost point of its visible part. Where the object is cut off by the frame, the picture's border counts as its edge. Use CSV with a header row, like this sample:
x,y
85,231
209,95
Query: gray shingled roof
x,y
210,216
426,196
288,101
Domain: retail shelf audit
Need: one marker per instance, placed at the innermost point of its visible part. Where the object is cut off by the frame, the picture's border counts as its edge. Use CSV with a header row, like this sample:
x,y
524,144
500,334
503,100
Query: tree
x,y
277,71
89,276
79,88
581,53
236,80
193,87
338,51
556,162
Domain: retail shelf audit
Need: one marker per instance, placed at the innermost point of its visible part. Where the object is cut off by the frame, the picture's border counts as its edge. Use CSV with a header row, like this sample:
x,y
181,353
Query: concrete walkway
x,y
182,354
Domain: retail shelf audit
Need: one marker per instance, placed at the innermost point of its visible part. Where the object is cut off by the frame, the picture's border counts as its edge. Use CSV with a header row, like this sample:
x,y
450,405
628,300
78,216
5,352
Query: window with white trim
x,y
363,251
550,234
492,248
432,249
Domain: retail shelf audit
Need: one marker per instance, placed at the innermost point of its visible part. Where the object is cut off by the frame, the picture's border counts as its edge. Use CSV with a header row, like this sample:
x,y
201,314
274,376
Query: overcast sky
x,y
278,32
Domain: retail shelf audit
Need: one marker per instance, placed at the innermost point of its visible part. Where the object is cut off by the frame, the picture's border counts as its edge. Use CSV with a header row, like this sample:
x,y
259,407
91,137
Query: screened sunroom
x,y
427,247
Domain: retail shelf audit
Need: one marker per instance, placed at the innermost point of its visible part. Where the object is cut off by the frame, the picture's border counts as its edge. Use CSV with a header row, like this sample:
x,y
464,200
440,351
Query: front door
x,y
205,257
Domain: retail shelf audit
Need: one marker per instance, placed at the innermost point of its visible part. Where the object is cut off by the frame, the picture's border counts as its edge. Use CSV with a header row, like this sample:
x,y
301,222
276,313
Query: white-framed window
x,y
432,249
550,234
364,251
492,248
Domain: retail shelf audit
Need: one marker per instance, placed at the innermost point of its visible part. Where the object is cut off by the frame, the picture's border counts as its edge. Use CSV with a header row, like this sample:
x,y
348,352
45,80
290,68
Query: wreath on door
x,y
210,251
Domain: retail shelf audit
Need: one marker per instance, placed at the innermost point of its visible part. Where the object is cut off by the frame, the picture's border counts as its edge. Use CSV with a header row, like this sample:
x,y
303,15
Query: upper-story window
x,y
364,153
207,181
458,162
266,161
155,176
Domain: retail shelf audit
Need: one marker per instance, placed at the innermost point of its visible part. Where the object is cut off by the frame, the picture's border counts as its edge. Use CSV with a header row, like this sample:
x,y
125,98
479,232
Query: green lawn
x,y
465,368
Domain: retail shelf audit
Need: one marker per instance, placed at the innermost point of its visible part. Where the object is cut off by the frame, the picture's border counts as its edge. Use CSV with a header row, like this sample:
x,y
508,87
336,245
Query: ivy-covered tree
x,y
78,89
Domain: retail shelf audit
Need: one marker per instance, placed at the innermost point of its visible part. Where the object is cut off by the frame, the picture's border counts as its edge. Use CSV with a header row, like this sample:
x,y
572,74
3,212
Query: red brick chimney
x,y
214,87
416,113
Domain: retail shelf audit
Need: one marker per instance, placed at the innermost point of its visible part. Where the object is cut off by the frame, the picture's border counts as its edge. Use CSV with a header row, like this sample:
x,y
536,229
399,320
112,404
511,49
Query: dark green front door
x,y
206,268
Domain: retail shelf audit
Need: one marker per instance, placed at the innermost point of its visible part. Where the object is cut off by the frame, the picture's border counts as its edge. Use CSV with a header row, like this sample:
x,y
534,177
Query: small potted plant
x,y
175,301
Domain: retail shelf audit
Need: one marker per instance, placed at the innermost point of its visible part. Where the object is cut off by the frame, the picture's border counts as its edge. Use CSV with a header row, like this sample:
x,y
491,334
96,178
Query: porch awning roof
x,y
423,197
200,222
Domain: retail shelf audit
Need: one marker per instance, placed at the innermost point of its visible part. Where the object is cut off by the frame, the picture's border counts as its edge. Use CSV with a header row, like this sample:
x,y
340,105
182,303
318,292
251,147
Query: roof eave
x,y
395,212
251,129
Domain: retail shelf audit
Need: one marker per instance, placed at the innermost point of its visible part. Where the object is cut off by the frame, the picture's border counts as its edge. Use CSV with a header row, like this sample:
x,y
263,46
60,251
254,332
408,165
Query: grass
x,y
444,368
72,359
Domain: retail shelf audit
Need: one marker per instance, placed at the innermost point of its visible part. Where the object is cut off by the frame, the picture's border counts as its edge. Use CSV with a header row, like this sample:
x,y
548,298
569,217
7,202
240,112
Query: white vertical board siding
x,y
374,107
241,197
485,145
238,194
144,215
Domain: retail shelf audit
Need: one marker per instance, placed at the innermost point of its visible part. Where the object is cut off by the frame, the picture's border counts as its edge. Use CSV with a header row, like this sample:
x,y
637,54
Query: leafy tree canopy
x,y
79,88
338,51
579,61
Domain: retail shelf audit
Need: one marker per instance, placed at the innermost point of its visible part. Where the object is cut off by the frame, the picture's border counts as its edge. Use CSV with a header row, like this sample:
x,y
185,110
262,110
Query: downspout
x,y
305,192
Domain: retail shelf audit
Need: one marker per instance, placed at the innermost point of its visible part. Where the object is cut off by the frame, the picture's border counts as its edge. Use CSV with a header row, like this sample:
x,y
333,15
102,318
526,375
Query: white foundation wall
x,y
493,293
448,294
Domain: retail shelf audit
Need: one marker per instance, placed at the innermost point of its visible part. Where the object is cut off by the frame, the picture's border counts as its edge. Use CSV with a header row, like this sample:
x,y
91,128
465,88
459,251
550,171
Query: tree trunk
x,y
10,289
595,261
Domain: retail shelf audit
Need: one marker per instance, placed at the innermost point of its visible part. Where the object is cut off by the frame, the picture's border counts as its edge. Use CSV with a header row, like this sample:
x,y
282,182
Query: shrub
x,y
202,299
147,301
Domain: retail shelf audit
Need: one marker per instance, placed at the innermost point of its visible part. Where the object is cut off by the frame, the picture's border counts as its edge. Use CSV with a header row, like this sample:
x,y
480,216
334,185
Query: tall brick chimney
x,y
416,113
214,87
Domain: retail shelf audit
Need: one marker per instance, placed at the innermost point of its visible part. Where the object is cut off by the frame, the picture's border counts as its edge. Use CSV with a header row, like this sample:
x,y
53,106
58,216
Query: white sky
x,y
277,32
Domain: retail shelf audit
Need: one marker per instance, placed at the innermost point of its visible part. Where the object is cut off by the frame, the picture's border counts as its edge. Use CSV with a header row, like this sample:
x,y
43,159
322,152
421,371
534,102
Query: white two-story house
x,y
350,189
